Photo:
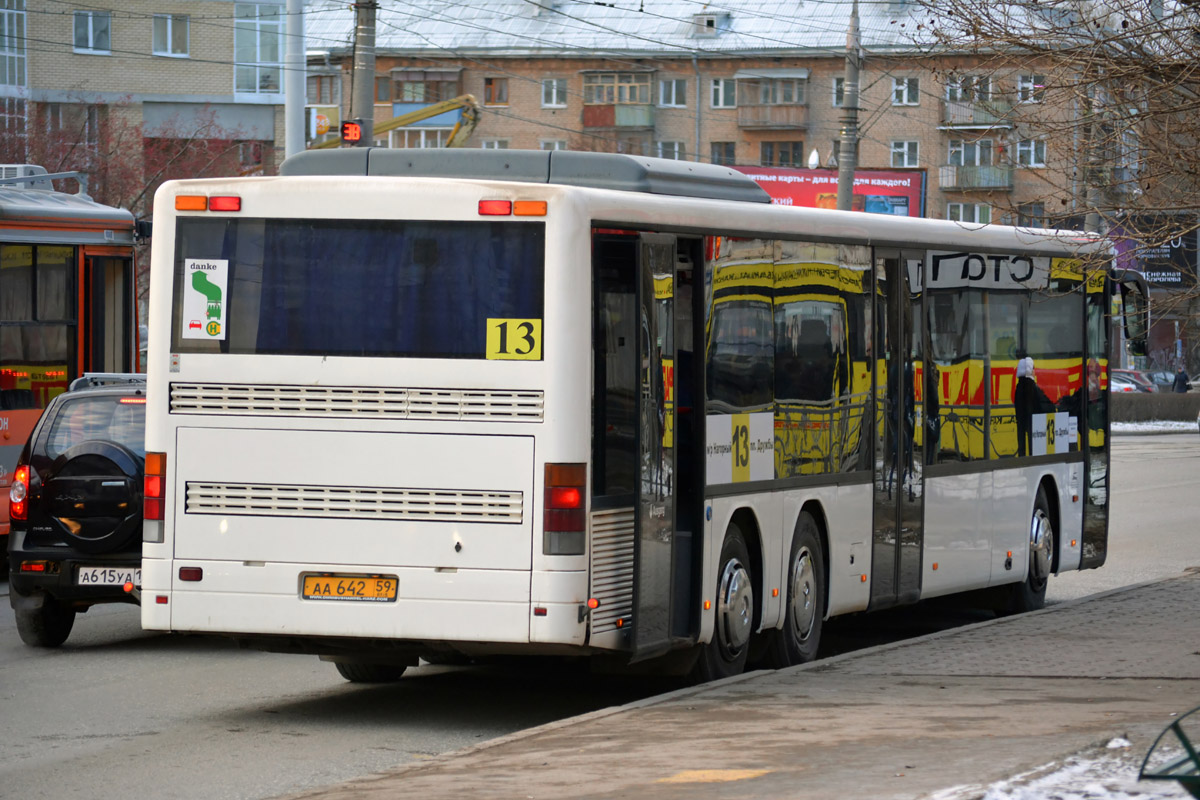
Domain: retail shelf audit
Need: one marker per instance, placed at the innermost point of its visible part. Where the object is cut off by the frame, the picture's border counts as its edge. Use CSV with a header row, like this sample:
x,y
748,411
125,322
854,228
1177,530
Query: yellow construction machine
x,y
458,134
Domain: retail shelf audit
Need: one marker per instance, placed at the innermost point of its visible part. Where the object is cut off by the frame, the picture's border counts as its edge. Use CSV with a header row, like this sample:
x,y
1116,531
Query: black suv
x,y
76,506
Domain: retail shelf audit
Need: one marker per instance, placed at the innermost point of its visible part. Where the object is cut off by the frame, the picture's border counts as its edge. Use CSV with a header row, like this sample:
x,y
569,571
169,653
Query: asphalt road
x,y
120,712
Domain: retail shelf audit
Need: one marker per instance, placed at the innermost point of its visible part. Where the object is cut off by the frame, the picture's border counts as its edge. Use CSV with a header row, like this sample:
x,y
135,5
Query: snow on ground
x,y
1103,773
1156,426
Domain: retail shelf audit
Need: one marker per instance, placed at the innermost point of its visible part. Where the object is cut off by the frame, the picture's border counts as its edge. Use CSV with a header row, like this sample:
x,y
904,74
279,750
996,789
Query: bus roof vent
x,y
596,170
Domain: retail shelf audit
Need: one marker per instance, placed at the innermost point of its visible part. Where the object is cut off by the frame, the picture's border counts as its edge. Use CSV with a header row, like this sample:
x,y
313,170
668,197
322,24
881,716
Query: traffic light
x,y
352,131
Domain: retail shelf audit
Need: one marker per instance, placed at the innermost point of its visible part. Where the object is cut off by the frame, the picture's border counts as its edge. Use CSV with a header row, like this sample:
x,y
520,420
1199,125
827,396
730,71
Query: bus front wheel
x,y
1030,595
804,613
725,654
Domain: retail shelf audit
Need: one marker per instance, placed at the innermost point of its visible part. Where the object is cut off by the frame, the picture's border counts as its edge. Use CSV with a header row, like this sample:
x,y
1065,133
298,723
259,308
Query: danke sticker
x,y
205,298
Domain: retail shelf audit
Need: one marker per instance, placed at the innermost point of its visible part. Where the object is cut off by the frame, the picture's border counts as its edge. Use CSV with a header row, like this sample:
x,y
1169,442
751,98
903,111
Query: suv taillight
x,y
564,518
152,503
18,507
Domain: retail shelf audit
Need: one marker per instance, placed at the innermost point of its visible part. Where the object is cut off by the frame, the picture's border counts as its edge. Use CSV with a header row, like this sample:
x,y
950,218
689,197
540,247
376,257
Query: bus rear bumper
x,y
252,598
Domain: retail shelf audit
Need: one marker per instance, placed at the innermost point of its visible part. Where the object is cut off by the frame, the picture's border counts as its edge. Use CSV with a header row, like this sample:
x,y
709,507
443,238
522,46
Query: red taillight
x,y
18,493
495,208
191,573
564,514
152,494
225,203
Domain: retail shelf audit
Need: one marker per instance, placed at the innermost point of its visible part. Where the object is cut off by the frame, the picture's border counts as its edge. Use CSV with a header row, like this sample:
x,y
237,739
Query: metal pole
x,y
363,105
293,81
848,145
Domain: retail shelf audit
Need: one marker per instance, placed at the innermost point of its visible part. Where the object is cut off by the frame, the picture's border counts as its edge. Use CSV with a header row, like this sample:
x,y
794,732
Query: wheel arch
x,y
1050,485
817,512
747,522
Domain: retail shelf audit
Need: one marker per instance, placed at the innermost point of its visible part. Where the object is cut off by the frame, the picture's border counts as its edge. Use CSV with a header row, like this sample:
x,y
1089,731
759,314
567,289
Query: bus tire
x,y
367,672
725,654
46,626
804,612
1030,594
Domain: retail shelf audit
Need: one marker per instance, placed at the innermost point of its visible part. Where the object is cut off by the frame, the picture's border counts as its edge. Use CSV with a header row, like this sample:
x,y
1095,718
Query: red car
x,y
1142,380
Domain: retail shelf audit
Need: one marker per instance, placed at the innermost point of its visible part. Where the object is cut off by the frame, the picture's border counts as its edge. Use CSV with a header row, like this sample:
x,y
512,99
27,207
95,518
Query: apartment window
x,y
92,31
777,92
552,144
608,88
494,144
673,150
424,87
904,154
73,124
323,90
1031,88
781,154
170,35
257,47
672,93
1031,153
554,92
969,88
723,153
1031,215
906,91
12,42
839,92
724,93
383,90
969,212
495,91
971,154
419,138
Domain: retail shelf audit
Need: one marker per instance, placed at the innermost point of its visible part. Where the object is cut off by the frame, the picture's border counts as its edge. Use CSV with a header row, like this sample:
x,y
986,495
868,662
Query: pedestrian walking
x,y
1181,381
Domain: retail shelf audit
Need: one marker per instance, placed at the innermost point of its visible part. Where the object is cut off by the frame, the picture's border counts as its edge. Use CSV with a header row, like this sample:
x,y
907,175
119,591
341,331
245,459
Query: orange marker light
x,y
190,202
774,593
1009,554
862,579
620,623
935,566
707,605
529,208
128,587
1072,543
593,603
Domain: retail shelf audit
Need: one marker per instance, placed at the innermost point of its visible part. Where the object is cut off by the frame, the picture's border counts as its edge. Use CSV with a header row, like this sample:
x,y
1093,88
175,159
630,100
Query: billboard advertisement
x,y
1163,247
899,192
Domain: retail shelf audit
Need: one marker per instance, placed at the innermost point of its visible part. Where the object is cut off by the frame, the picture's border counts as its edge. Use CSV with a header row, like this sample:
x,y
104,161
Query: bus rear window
x,y
353,287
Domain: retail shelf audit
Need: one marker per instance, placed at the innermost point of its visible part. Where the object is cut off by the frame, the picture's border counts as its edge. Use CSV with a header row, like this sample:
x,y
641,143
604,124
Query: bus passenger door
x,y
899,482
655,508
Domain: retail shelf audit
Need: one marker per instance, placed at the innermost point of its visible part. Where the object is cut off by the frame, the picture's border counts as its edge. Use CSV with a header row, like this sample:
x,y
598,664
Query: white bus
x,y
431,404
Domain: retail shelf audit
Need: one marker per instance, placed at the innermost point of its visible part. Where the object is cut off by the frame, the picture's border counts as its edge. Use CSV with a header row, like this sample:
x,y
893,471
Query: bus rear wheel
x,y
366,672
1030,595
804,613
725,654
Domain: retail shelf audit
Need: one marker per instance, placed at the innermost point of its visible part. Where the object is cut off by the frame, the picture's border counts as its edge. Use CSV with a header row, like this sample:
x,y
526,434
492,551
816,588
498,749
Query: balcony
x,y
619,115
772,117
952,177
977,113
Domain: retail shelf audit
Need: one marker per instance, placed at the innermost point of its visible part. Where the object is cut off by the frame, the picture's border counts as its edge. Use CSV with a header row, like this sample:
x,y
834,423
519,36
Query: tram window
x,y
16,282
54,282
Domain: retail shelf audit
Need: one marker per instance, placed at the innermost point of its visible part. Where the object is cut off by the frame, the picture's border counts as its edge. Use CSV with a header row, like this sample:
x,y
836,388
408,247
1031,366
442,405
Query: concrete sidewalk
x,y
943,714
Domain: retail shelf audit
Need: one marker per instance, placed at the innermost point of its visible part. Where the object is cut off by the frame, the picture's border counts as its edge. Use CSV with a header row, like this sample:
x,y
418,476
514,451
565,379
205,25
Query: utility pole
x,y
848,145
363,101
293,81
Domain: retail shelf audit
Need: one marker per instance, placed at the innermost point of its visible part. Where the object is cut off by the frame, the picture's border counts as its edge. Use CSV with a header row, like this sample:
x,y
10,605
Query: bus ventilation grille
x,y
612,568
354,502
480,405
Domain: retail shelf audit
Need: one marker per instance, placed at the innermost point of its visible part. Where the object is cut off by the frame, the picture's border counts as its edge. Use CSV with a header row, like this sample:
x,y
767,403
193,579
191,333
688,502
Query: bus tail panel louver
x,y
612,568
479,405
354,502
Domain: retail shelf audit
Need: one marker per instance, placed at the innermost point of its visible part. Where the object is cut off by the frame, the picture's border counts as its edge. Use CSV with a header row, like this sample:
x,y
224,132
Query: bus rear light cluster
x,y
199,202
516,208
564,514
18,493
152,502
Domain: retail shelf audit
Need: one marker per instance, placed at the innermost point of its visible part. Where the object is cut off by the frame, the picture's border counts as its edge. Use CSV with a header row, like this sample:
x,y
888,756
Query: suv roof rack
x,y
90,379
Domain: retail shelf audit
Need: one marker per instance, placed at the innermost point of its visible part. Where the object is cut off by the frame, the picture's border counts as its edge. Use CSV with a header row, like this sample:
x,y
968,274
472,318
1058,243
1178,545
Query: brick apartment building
x,y
746,84
107,78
